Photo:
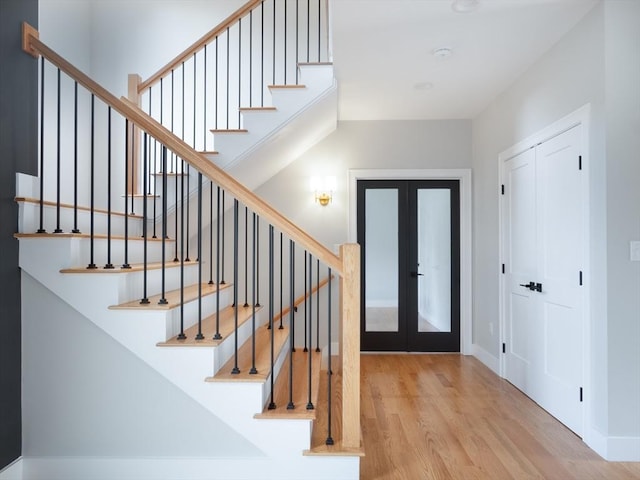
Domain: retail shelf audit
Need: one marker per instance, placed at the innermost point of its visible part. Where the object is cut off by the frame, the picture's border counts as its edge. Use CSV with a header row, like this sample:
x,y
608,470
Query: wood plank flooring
x,y
449,417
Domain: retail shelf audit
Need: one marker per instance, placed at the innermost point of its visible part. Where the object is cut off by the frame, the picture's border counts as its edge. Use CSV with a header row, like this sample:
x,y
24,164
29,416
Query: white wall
x,y
622,93
597,63
92,397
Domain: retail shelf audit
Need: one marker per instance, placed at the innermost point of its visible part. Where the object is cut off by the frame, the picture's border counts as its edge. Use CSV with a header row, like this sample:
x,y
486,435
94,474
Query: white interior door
x,y
560,203
544,252
520,256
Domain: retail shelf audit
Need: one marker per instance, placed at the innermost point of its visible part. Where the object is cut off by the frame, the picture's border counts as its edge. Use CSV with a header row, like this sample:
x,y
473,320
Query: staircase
x,y
181,264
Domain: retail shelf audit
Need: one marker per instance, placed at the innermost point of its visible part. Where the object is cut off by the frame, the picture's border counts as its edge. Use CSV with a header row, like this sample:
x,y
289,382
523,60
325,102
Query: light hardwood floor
x,y
450,417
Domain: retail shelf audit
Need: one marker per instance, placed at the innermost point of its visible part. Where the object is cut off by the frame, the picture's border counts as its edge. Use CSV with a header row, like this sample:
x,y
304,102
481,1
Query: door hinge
x,y
579,162
502,189
580,393
580,277
504,348
503,268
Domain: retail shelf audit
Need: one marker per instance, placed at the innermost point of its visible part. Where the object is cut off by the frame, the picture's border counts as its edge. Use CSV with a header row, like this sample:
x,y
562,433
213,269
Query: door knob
x,y
416,274
531,286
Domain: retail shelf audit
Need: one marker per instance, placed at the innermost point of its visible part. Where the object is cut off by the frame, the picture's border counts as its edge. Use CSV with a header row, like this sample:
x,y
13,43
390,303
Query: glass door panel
x,y
381,260
434,260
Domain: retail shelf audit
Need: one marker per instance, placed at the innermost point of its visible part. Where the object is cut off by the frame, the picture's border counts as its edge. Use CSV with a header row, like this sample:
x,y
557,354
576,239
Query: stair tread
x,y
227,325
319,432
49,203
172,297
315,64
170,174
139,267
209,152
229,130
263,357
300,390
100,236
258,109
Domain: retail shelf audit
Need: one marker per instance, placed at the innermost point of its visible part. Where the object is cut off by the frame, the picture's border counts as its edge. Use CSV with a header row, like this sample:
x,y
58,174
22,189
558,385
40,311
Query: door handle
x,y
416,274
534,287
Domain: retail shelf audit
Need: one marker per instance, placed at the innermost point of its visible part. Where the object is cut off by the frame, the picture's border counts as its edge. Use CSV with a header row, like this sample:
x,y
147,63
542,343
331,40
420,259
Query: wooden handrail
x,y
206,38
197,160
301,299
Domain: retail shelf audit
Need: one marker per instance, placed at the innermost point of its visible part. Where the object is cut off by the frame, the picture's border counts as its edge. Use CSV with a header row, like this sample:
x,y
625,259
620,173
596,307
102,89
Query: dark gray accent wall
x,y
18,153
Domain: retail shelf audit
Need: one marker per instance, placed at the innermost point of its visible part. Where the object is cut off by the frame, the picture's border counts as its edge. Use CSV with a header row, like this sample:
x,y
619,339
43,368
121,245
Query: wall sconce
x,y
323,188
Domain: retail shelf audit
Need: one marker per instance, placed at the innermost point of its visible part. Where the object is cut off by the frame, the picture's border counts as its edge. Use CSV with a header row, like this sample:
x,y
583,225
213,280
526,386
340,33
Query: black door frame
x,y
407,338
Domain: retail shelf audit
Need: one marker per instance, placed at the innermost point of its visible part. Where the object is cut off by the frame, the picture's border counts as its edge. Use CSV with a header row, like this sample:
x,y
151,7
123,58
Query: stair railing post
x,y
133,82
350,344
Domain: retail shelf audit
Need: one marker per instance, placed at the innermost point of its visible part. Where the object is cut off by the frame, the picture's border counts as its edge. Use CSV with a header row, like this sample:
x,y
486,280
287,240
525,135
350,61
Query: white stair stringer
x,y
274,138
235,403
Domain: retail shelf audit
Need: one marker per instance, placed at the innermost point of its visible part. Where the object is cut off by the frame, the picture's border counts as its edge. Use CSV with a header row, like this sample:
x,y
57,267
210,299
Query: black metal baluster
x,y
317,307
215,98
75,159
292,349
272,403
319,29
92,264
284,62
307,297
251,58
217,335
210,232
258,261
194,99
41,201
181,335
228,42
222,240
133,167
273,66
297,39
185,198
329,440
281,289
163,300
204,103
253,370
308,28
174,167
235,369
125,264
309,386
199,336
239,69
262,86
109,265
246,257
58,153
145,152
155,189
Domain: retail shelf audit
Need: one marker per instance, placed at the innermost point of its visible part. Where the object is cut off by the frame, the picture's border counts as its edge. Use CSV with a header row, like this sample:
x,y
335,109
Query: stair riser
x,y
29,220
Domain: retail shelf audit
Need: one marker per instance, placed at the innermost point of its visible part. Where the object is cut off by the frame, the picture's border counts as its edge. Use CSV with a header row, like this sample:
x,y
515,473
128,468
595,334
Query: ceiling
x,y
384,62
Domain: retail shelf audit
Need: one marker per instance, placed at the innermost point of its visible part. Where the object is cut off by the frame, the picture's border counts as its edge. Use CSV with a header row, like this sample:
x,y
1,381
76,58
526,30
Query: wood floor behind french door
x,y
409,233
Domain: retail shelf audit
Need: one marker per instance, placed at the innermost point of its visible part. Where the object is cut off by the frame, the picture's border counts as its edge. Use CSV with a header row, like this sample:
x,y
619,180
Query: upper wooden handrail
x,y
33,46
205,39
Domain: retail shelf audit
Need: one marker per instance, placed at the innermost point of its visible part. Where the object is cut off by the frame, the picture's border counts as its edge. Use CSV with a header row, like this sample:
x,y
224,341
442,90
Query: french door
x,y
409,233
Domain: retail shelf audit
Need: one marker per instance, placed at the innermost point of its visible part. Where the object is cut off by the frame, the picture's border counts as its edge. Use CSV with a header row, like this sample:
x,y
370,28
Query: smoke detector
x,y
465,6
442,53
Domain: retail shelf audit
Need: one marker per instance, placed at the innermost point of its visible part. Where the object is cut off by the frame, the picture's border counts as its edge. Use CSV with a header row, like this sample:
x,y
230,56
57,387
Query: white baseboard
x,y
229,468
623,449
486,358
13,471
614,449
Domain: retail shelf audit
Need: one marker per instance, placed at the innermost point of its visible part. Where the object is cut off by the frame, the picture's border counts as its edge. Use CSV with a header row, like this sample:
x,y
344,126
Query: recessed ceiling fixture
x,y
423,86
442,52
465,6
